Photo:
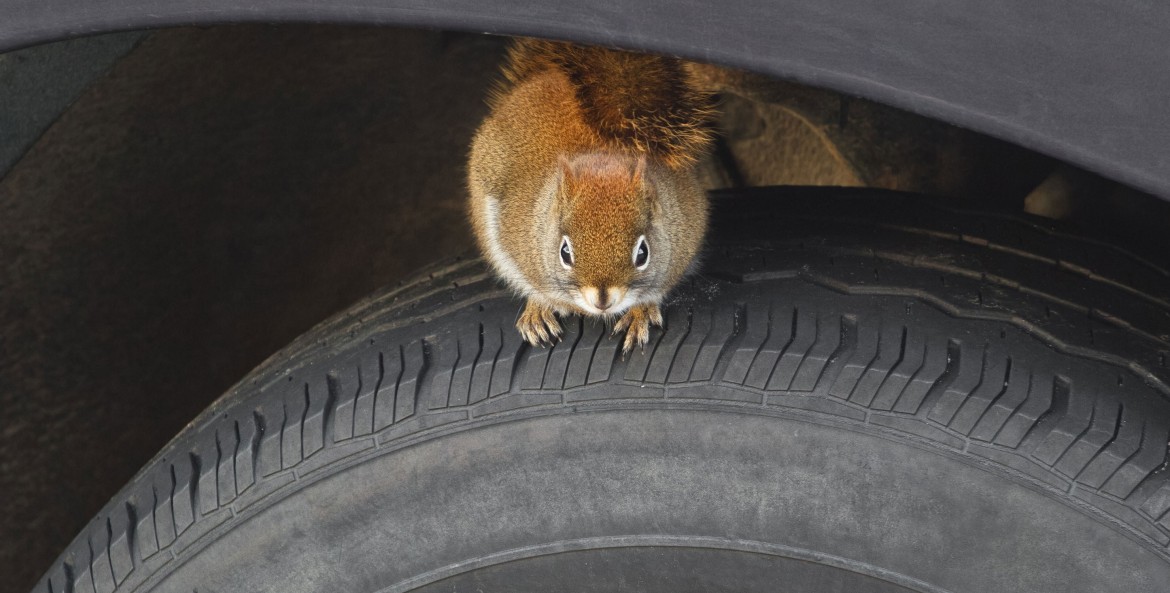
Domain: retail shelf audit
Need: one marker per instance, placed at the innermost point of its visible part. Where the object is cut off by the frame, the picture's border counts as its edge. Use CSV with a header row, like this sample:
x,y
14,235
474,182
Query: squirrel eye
x,y
566,252
641,253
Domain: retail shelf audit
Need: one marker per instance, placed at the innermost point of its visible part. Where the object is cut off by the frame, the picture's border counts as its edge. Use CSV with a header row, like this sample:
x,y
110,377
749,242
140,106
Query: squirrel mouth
x,y
617,307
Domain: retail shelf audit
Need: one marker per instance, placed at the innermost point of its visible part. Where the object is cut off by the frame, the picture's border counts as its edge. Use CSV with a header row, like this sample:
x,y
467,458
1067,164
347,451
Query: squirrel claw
x,y
636,323
538,325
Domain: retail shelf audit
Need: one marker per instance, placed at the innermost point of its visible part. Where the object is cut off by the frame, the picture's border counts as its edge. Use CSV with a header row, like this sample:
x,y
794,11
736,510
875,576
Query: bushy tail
x,y
647,103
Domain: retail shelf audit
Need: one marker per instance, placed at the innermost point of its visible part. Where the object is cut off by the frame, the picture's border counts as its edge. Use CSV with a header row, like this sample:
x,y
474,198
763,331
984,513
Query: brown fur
x,y
646,103
605,201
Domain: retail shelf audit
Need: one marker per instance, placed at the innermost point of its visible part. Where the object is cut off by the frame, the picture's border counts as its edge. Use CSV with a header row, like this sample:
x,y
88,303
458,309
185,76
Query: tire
x,y
863,391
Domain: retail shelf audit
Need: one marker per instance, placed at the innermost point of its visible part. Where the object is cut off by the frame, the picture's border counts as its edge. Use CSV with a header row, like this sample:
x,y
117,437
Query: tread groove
x,y
223,473
846,342
954,358
171,500
755,352
877,352
92,579
258,419
110,550
332,392
193,489
377,404
154,516
519,360
865,350
678,346
1104,447
132,535
1100,484
989,404
1055,409
354,411
425,351
944,408
710,358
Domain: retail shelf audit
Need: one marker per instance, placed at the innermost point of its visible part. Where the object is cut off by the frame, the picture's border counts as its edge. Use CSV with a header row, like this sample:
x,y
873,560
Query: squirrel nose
x,y
602,300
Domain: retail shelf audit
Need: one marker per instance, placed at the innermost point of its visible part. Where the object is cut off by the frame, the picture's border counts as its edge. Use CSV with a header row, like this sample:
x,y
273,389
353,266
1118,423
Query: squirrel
x,y
584,195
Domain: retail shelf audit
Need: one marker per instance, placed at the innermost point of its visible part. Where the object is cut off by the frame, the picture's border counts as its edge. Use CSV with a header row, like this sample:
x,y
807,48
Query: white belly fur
x,y
503,263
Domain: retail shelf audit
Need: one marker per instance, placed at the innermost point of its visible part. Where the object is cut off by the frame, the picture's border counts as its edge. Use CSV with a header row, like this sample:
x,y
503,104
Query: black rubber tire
x,y
864,391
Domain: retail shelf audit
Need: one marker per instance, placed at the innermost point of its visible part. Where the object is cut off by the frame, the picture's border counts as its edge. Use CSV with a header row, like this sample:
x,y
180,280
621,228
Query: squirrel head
x,y
608,254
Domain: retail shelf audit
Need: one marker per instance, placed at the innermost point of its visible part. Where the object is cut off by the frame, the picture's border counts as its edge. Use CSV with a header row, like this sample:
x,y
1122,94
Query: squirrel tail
x,y
650,104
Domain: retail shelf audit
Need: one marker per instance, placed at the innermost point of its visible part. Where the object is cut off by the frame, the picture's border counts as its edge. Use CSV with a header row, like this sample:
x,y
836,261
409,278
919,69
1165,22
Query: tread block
x,y
346,384
1103,429
512,353
55,580
140,514
781,326
491,341
806,328
750,340
321,394
164,514
944,403
826,343
1001,409
1157,505
99,565
119,526
891,349
1123,444
860,355
296,405
272,422
270,419
1071,415
382,394
940,363
414,360
204,465
912,358
448,354
724,326
225,462
637,362
665,349
688,350
532,377
183,497
558,359
247,446
470,349
1151,454
993,386
366,380
608,351
83,581
581,360
1043,391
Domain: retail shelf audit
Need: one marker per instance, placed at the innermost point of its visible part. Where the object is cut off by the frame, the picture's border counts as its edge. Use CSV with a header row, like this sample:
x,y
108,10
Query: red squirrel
x,y
584,195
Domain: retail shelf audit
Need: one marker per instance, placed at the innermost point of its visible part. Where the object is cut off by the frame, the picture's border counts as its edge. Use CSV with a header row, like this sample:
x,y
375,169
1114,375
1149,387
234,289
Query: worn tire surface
x,y
863,391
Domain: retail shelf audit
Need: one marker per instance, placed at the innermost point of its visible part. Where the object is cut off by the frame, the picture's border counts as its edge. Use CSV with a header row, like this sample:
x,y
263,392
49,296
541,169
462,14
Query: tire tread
x,y
384,374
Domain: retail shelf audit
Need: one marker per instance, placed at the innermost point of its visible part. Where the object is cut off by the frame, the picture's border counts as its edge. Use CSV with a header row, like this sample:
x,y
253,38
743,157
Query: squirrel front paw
x,y
538,325
636,323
